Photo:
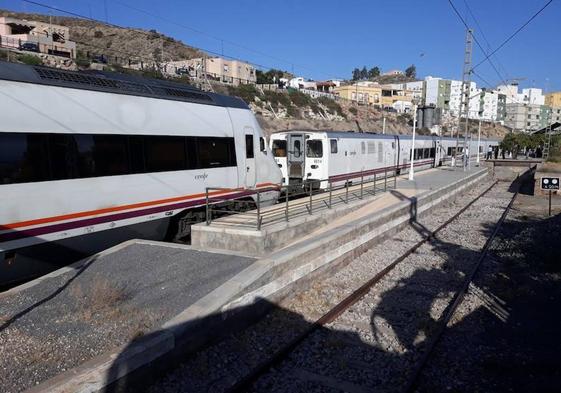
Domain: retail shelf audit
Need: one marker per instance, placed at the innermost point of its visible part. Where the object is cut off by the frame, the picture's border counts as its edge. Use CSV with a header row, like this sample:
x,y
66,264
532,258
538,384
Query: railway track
x,y
288,369
377,341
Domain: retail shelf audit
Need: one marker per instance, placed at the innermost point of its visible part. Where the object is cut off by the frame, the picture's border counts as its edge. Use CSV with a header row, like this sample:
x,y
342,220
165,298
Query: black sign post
x,y
550,184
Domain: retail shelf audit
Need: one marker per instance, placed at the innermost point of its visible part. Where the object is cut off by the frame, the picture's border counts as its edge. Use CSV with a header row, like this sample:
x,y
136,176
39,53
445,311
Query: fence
x,y
307,197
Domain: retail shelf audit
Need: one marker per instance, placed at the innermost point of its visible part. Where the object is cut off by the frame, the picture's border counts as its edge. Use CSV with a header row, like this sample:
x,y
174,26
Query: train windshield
x,y
279,148
314,149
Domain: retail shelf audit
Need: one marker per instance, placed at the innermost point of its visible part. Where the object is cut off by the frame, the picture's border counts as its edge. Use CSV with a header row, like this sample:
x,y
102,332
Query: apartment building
x,y
367,93
397,98
553,99
233,72
49,38
526,117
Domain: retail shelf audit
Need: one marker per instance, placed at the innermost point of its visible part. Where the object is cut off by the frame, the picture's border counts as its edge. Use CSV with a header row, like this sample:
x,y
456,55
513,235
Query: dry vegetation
x,y
99,38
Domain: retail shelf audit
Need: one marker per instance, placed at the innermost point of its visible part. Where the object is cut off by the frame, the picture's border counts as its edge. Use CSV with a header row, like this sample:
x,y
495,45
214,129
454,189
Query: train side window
x,y
136,153
214,152
261,143
333,143
249,146
314,148
22,158
380,152
432,152
85,147
110,155
363,147
64,157
165,153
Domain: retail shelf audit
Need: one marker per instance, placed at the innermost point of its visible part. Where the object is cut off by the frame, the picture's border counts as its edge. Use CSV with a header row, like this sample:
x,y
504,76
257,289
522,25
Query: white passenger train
x,y
340,157
90,159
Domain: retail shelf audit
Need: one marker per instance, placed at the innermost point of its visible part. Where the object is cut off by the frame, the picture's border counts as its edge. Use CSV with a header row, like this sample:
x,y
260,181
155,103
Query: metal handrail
x,y
306,191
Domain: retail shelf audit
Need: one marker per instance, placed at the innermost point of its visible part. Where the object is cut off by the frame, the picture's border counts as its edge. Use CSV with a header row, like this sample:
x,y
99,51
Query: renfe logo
x,y
202,176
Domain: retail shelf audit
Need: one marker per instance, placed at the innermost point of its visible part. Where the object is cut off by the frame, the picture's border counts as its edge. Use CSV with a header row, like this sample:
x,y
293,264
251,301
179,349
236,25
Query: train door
x,y
250,138
436,156
295,157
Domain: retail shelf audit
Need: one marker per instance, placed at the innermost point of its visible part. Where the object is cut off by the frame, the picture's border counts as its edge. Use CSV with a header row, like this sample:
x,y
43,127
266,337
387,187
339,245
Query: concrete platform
x,y
240,234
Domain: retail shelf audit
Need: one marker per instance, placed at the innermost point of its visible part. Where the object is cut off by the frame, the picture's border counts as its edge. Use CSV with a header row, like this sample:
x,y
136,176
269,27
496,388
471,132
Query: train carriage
x,y
91,159
324,157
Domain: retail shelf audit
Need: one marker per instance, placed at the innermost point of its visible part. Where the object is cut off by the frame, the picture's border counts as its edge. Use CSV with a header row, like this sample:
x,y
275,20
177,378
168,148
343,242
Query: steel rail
x,y
456,301
246,382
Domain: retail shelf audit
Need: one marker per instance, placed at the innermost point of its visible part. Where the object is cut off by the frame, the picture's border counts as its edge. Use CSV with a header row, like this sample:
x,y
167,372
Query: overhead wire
x,y
168,39
515,33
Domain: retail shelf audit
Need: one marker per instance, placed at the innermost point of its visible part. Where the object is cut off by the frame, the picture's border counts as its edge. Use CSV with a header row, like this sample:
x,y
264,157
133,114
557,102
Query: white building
x,y
532,96
510,91
301,83
393,72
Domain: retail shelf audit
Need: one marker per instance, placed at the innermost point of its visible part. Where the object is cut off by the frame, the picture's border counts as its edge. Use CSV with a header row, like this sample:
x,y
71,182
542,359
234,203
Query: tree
x,y
374,72
356,74
411,71
364,73
271,76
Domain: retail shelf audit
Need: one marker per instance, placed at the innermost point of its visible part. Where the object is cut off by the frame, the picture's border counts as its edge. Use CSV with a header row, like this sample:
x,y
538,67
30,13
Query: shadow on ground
x,y
515,346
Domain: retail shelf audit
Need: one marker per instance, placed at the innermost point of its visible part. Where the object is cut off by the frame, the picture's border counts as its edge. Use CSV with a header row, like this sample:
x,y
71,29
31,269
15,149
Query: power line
x,y
501,78
136,30
219,39
489,46
515,33
477,42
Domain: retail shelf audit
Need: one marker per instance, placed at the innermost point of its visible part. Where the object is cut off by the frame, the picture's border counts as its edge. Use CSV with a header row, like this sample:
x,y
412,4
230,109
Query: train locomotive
x,y
90,159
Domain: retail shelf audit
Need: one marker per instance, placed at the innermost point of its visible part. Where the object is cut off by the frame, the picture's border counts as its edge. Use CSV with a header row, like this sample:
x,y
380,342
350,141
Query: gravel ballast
x,y
66,320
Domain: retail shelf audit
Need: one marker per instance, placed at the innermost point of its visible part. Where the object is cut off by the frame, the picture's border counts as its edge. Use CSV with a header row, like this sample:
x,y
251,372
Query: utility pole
x,y
465,95
384,125
478,141
411,170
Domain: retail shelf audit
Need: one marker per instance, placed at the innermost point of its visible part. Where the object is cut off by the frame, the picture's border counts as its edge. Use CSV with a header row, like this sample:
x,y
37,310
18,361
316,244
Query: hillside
x,y
275,110
99,38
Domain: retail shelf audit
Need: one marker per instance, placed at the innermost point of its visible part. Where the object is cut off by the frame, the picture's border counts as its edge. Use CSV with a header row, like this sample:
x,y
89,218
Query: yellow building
x,y
553,99
390,95
367,93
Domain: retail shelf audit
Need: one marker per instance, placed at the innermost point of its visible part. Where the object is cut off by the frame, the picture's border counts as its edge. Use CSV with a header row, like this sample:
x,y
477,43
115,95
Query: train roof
x,y
112,82
373,135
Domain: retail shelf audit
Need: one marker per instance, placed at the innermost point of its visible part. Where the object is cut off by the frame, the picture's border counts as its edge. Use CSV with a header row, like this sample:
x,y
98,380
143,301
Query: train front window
x,y
314,149
279,148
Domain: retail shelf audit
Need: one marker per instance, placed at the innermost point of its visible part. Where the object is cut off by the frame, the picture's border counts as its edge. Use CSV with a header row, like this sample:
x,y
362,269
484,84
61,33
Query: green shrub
x,y
98,34
82,62
277,99
245,92
353,110
331,105
30,59
299,99
293,111
3,54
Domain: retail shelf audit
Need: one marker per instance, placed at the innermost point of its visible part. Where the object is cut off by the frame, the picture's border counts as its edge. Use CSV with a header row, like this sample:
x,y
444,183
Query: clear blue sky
x,y
328,38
